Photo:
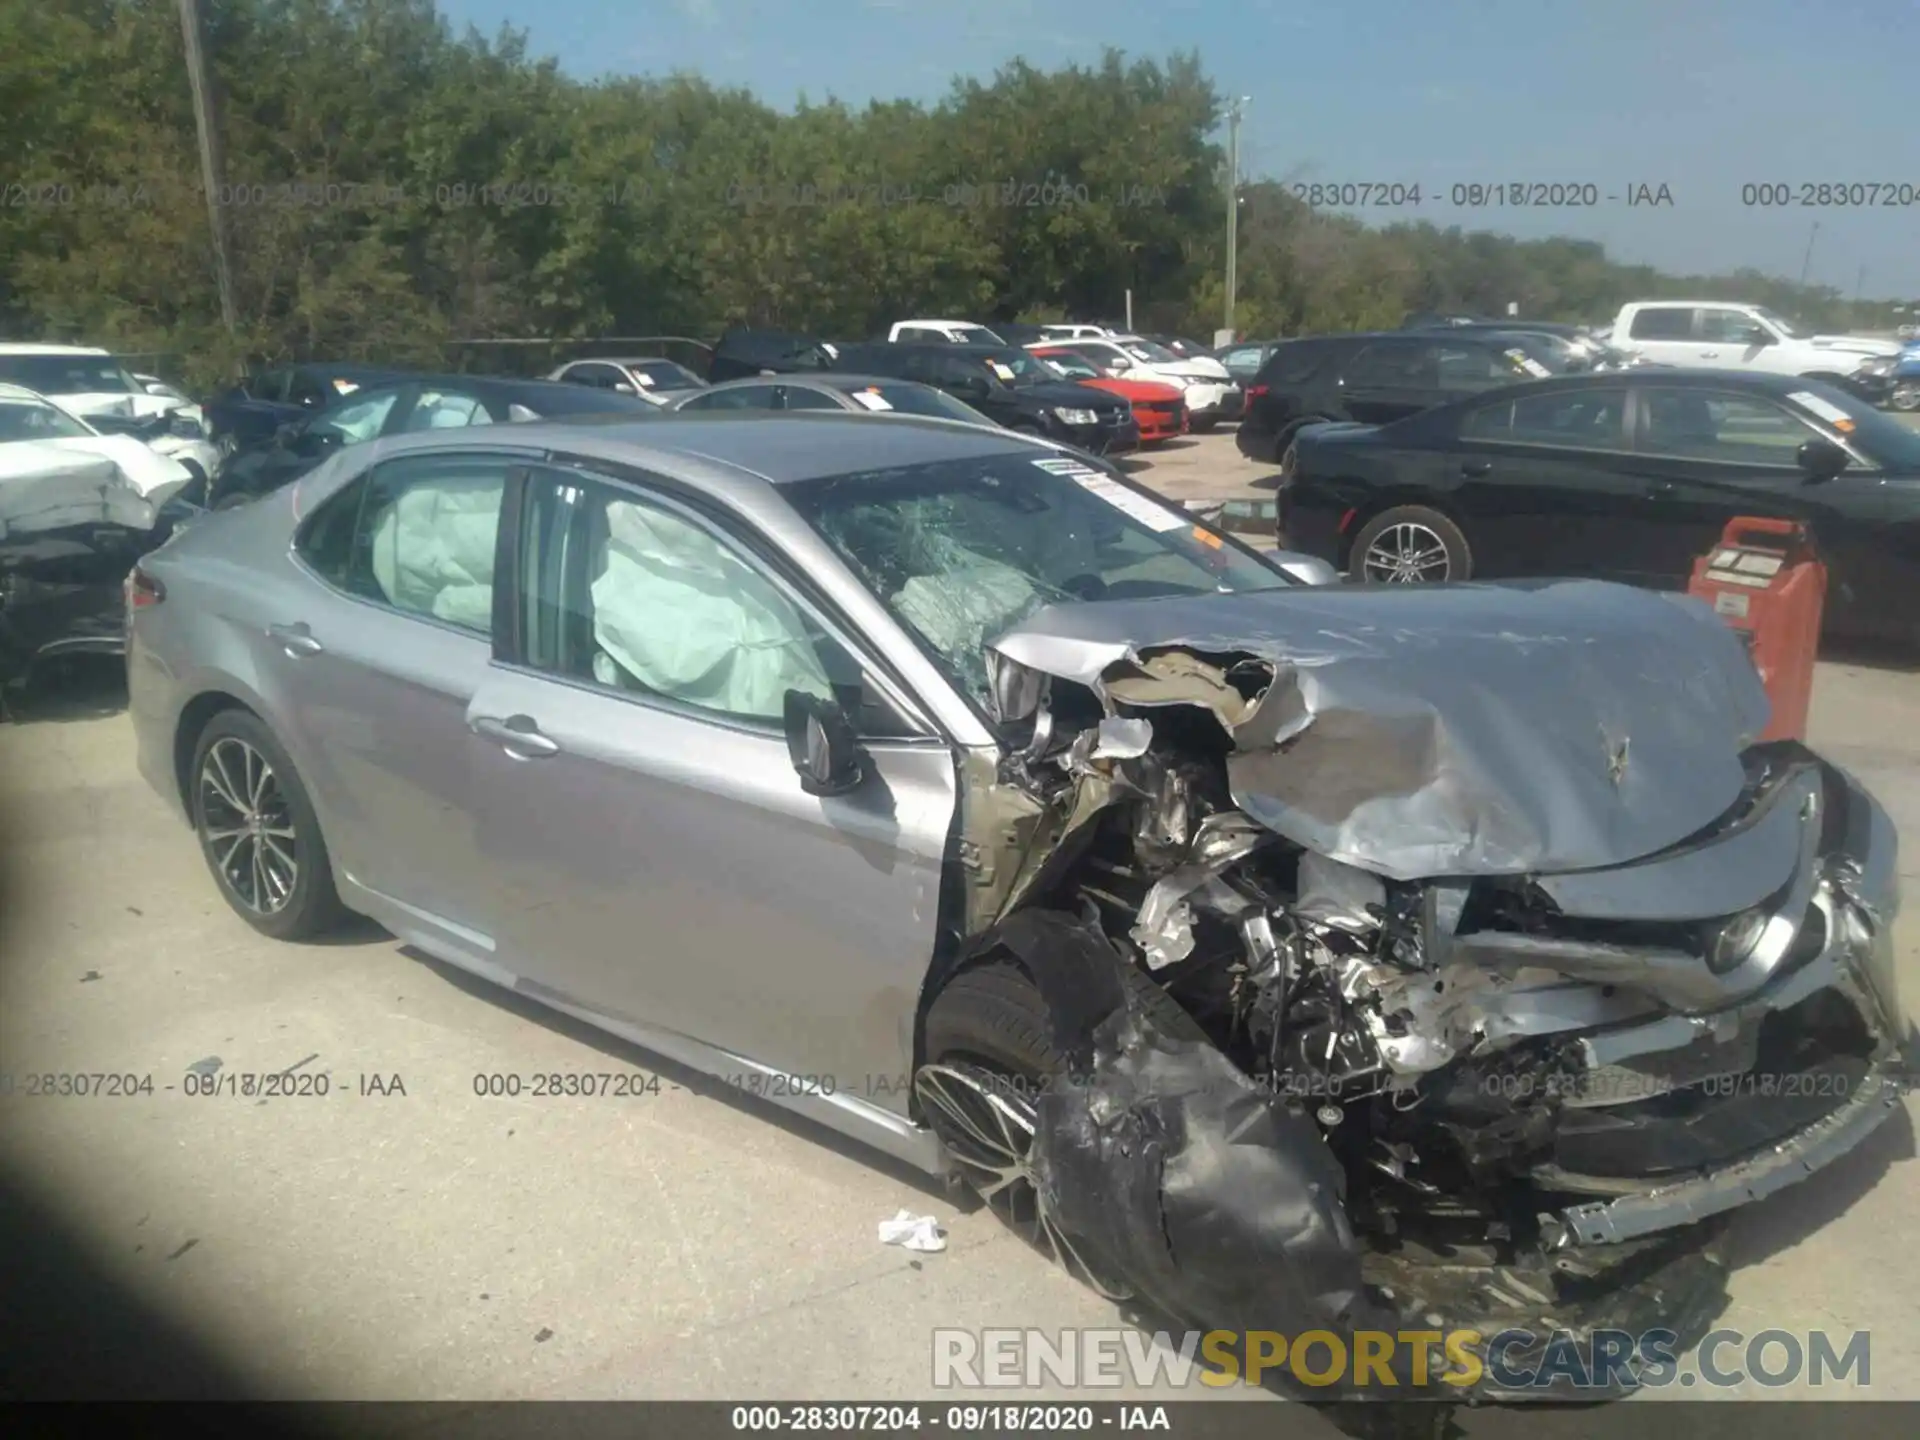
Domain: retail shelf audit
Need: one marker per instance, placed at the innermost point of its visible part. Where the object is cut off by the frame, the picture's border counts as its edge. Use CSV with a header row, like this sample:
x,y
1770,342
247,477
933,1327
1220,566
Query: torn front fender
x,y
1440,730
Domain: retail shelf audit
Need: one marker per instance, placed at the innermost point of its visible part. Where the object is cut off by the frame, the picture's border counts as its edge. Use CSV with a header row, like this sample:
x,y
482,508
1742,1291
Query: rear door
x,y
1665,335
650,851
1548,484
1388,380
379,657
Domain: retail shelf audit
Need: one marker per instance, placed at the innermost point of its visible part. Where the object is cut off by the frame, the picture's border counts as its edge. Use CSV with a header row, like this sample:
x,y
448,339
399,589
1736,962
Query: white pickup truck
x,y
1716,333
954,332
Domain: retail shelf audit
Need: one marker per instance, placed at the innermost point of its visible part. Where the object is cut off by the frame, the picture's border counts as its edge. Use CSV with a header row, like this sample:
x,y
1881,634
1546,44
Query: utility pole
x,y
1806,264
213,160
1233,211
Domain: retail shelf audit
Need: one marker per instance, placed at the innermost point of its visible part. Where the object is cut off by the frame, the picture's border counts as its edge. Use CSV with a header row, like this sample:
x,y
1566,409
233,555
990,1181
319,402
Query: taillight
x,y
1255,392
142,590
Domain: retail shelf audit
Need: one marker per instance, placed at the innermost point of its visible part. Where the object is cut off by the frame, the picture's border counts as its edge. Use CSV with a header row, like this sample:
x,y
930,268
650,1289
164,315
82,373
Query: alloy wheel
x,y
1906,396
988,1129
247,826
1407,553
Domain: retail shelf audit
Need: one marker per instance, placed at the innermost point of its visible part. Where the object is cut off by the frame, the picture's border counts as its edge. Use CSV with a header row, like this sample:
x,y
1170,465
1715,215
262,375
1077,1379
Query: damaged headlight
x,y
1733,940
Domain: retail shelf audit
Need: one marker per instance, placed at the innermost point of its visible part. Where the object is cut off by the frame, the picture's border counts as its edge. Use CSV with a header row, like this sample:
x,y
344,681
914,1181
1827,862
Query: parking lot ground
x,y
403,1237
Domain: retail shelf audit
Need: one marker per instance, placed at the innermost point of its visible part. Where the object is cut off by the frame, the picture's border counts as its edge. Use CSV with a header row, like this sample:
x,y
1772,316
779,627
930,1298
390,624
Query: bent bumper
x,y
1857,899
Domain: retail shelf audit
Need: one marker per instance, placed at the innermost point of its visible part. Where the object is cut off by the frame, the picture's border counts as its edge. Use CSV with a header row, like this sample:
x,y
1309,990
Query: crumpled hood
x,y
1428,731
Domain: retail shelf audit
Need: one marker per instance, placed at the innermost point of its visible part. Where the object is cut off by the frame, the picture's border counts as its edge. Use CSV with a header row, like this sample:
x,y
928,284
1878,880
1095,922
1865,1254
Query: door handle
x,y
1476,467
1709,354
1660,489
297,640
518,735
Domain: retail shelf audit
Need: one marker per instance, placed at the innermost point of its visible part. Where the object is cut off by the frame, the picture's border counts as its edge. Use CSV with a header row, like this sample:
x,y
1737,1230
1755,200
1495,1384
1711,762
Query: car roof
x,y
829,379
781,450
1659,378
9,348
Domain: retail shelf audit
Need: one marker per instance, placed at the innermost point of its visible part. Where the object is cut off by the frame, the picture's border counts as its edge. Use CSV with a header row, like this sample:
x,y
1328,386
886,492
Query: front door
x,y
652,854
1705,457
1389,380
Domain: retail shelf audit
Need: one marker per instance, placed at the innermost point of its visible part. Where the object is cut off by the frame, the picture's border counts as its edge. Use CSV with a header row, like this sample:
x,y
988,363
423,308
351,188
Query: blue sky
x,y
1703,96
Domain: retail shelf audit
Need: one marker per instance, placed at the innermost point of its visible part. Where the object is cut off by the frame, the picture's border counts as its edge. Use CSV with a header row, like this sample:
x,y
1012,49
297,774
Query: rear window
x,y
560,398
912,400
68,374
1663,322
1295,361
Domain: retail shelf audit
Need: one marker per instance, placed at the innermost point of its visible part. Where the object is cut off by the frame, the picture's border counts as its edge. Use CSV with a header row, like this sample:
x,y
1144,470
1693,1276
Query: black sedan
x,y
420,402
860,394
250,412
1627,476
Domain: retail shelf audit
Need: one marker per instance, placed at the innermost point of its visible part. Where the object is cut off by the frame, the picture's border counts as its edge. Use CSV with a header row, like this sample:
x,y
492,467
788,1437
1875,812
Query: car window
x,y
1662,322
357,420
1481,367
416,534
634,595
745,397
796,398
65,374
1725,326
1395,364
960,550
1070,366
1294,362
600,377
37,420
1245,360
664,374
445,410
307,389
272,385
1579,419
1736,429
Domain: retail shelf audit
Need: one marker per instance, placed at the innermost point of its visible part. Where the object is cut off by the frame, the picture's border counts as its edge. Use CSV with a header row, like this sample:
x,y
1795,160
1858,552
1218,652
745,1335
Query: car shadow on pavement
x,y
689,1079
1872,655
69,687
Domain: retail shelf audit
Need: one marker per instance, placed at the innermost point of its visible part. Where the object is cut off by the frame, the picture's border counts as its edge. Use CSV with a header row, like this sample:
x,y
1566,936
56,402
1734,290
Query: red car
x,y
1160,409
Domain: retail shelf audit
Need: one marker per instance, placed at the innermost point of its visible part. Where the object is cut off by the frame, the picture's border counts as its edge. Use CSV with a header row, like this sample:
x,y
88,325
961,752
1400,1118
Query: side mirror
x,y
821,744
1756,335
1820,460
974,387
1119,363
623,389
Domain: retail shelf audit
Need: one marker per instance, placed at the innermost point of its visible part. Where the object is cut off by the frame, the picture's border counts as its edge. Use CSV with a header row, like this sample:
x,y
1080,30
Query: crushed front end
x,y
1514,1092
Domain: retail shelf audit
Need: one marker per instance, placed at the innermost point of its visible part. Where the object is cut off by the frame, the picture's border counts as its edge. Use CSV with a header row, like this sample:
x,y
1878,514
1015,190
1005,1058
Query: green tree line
x,y
393,188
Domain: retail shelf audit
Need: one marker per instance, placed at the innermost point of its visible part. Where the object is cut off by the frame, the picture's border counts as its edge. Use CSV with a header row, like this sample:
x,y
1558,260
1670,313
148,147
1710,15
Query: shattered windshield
x,y
961,551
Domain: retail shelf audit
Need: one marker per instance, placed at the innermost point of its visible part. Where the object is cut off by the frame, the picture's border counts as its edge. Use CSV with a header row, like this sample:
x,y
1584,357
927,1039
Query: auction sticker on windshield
x,y
872,399
1005,372
1140,508
1825,409
1527,363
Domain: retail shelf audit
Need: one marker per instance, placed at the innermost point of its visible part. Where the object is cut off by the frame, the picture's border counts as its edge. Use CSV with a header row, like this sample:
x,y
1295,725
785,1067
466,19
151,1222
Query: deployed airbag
x,y
681,615
433,549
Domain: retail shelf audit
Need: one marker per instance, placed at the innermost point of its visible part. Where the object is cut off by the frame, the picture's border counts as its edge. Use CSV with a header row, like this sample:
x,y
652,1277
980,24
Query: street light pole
x,y
1233,210
1806,263
212,152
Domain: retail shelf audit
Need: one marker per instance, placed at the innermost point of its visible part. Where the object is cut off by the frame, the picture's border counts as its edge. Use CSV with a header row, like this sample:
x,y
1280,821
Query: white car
x,y
36,433
1211,393
953,332
657,381
89,382
1720,334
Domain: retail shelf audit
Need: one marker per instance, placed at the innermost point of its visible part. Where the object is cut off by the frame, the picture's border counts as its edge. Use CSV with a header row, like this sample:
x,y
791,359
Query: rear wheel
x,y
1409,545
1905,396
258,830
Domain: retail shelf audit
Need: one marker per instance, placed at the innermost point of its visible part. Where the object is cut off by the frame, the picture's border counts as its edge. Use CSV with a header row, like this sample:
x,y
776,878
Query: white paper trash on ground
x,y
913,1232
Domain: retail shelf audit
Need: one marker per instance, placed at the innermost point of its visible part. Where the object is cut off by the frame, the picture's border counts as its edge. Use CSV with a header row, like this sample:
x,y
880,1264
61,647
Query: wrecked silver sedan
x,y
1278,956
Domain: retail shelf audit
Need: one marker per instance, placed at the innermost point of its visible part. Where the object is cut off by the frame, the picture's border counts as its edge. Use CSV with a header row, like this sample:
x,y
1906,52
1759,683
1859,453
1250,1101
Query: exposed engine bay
x,y
1515,1090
